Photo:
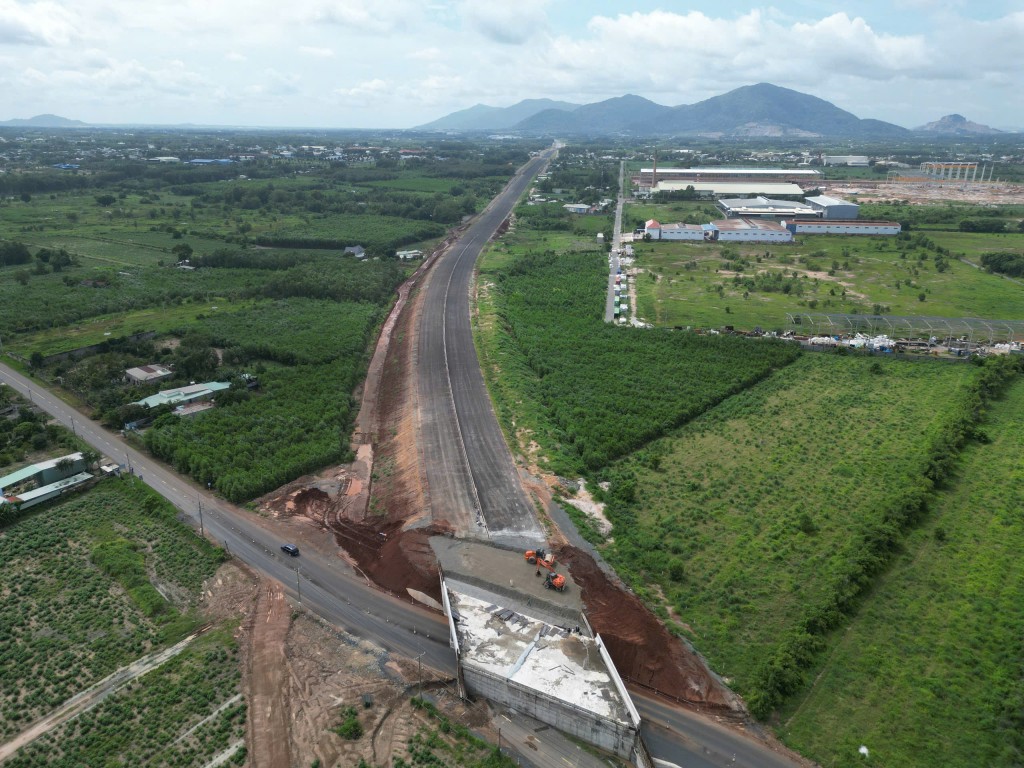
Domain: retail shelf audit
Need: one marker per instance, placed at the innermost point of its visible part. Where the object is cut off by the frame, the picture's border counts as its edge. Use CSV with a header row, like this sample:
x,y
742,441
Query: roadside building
x,y
44,480
190,394
580,208
145,374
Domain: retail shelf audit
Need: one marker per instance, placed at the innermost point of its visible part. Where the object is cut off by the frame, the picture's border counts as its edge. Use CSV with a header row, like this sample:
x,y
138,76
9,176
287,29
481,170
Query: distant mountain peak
x,y
45,121
956,125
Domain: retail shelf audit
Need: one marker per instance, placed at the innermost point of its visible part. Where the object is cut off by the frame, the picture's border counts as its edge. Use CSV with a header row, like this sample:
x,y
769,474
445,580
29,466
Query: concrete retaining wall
x,y
618,738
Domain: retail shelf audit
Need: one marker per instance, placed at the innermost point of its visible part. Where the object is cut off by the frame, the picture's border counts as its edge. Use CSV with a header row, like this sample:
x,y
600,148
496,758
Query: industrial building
x,y
648,177
747,231
719,188
833,208
659,231
43,481
764,208
841,227
854,161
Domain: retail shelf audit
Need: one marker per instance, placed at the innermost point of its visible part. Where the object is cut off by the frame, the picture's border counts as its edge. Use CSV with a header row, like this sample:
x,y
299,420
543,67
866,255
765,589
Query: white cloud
x,y
509,23
317,53
363,93
42,23
426,54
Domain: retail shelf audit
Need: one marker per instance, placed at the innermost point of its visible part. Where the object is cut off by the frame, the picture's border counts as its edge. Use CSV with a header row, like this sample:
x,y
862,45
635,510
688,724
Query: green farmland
x,y
126,551
930,672
746,285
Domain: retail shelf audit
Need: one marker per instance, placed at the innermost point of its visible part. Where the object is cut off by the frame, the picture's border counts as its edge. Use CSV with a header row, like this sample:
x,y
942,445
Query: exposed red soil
x,y
643,650
268,702
395,559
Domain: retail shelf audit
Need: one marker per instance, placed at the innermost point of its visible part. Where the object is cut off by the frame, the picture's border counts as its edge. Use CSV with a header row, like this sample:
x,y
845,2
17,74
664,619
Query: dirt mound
x,y
392,558
643,650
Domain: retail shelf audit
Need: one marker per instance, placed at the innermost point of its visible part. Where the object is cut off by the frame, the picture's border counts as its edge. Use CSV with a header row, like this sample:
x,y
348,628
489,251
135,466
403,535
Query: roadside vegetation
x,y
929,671
90,584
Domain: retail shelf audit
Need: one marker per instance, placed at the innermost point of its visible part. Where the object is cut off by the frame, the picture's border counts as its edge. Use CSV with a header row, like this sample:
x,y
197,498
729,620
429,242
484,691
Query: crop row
x,y
62,633
604,390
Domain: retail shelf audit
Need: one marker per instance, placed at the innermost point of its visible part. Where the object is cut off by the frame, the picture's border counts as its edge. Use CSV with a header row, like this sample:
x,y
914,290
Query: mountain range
x,y
762,110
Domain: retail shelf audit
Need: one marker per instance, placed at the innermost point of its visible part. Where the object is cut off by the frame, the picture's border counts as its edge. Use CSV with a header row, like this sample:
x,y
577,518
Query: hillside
x,y
44,121
956,125
753,110
483,118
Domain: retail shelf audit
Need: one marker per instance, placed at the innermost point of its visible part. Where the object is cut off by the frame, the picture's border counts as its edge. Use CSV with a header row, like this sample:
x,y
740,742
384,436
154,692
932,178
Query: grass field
x,y
706,285
64,633
930,671
756,514
94,330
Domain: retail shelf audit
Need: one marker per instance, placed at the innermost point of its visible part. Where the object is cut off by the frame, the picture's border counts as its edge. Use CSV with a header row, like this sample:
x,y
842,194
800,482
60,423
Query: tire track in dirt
x,y
90,697
268,710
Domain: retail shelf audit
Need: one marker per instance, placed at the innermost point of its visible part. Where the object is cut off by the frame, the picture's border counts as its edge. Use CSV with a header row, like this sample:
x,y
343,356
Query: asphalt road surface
x,y
470,474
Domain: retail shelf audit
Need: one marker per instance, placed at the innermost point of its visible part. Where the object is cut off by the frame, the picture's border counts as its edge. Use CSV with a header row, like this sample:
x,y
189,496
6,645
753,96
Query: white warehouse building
x,y
833,208
659,231
747,230
839,227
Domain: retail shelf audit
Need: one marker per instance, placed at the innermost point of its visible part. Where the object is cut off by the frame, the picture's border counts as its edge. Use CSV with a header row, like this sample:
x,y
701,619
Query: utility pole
x,y
419,674
200,500
298,584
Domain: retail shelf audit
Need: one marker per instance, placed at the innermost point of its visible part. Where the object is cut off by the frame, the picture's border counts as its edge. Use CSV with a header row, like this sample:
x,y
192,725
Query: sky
x,y
401,63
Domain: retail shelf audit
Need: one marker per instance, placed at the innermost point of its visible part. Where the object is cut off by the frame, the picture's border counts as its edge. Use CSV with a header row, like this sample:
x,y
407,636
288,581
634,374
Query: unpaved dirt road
x,y
93,695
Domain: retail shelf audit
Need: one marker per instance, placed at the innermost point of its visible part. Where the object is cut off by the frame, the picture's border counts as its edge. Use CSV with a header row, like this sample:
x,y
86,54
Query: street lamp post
x,y
298,584
202,532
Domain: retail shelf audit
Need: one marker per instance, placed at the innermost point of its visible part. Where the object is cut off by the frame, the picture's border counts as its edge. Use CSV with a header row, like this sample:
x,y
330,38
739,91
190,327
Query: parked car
x,y
290,549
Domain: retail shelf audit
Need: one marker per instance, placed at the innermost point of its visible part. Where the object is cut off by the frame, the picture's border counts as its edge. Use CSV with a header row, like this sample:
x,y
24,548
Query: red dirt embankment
x,y
642,648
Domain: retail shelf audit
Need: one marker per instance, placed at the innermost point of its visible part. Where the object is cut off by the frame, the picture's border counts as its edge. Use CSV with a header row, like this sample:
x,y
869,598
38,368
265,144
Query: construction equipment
x,y
555,581
540,557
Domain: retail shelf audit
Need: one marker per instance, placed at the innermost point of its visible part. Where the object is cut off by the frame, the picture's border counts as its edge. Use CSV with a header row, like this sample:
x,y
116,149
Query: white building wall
x,y
670,233
755,236
835,228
